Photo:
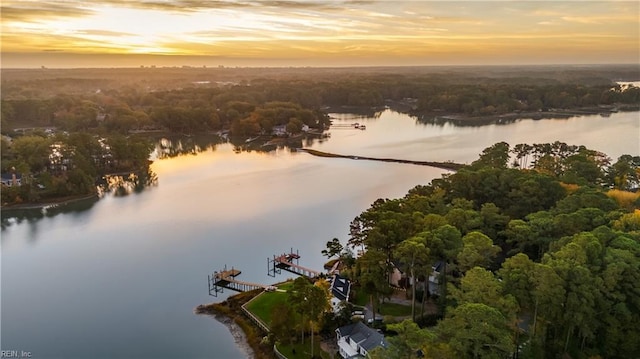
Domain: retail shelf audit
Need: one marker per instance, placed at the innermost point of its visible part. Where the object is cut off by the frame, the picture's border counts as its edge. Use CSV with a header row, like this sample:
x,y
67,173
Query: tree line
x,y
254,106
70,164
541,257
240,109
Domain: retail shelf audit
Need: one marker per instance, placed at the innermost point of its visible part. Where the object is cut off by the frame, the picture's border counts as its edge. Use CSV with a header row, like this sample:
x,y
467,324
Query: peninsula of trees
x,y
540,246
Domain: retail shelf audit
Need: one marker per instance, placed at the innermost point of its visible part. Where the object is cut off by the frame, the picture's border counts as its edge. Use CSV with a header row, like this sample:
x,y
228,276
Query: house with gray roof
x,y
11,179
340,288
357,340
434,278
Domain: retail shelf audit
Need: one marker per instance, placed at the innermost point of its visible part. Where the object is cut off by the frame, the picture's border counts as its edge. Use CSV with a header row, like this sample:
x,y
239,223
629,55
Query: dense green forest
x,y
252,101
541,246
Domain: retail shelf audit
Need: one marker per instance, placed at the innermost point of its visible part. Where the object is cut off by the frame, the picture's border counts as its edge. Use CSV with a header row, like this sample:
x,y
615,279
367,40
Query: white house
x,y
11,179
434,278
280,130
357,340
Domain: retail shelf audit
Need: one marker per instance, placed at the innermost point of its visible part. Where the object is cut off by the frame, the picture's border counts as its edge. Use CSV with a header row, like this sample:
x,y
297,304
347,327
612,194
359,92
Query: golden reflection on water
x,y
219,184
220,158
222,185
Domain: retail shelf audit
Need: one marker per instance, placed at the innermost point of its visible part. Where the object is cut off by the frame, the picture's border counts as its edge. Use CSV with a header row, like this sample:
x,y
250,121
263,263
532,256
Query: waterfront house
x,y
60,157
280,130
357,340
398,278
434,278
340,288
11,179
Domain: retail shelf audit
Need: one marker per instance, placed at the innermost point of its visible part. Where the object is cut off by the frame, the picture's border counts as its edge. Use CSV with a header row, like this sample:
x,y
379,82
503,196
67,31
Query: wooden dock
x,y
227,279
289,262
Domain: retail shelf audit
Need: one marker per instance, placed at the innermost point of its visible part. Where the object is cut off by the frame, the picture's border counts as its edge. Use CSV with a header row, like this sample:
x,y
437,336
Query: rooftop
x,y
366,337
340,287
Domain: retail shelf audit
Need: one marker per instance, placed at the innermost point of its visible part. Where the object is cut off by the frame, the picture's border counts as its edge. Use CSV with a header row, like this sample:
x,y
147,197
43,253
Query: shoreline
x,y
53,203
63,201
462,119
239,336
247,336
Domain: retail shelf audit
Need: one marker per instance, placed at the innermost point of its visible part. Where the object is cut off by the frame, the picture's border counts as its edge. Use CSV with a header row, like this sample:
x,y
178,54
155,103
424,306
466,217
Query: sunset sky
x,y
317,33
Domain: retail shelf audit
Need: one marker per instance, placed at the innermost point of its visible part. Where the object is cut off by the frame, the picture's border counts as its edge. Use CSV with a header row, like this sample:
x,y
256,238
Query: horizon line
x,y
44,67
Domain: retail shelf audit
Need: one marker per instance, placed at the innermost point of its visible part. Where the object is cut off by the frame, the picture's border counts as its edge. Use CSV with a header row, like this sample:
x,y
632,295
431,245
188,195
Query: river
x,y
120,277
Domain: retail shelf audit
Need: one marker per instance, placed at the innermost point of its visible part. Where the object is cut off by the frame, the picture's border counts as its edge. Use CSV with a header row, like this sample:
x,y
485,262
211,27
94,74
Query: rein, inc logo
x,y
14,354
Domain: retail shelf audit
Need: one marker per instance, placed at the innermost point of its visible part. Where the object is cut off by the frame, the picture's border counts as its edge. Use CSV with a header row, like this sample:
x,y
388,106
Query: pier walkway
x,y
289,262
227,279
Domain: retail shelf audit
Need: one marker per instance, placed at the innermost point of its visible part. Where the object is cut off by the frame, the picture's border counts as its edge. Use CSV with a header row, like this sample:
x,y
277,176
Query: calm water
x,y
121,278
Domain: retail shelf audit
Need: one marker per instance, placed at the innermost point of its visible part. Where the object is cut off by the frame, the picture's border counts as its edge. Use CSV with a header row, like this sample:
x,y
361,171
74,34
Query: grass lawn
x,y
395,309
286,285
361,298
303,351
262,305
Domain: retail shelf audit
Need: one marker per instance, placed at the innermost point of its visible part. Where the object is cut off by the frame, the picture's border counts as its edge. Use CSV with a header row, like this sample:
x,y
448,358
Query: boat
x,y
362,127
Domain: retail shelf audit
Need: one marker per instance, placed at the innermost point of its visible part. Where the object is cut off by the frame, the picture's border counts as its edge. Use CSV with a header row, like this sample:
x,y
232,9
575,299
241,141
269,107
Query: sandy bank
x,y
246,336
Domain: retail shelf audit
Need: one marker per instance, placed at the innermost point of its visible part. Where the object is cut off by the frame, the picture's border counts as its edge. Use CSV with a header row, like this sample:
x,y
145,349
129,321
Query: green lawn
x,y
262,305
303,351
286,285
395,309
361,298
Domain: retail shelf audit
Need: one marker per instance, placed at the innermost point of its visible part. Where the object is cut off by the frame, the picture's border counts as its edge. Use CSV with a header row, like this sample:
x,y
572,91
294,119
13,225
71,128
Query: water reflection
x,y
174,146
115,184
122,185
16,216
462,121
358,111
506,119
388,134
